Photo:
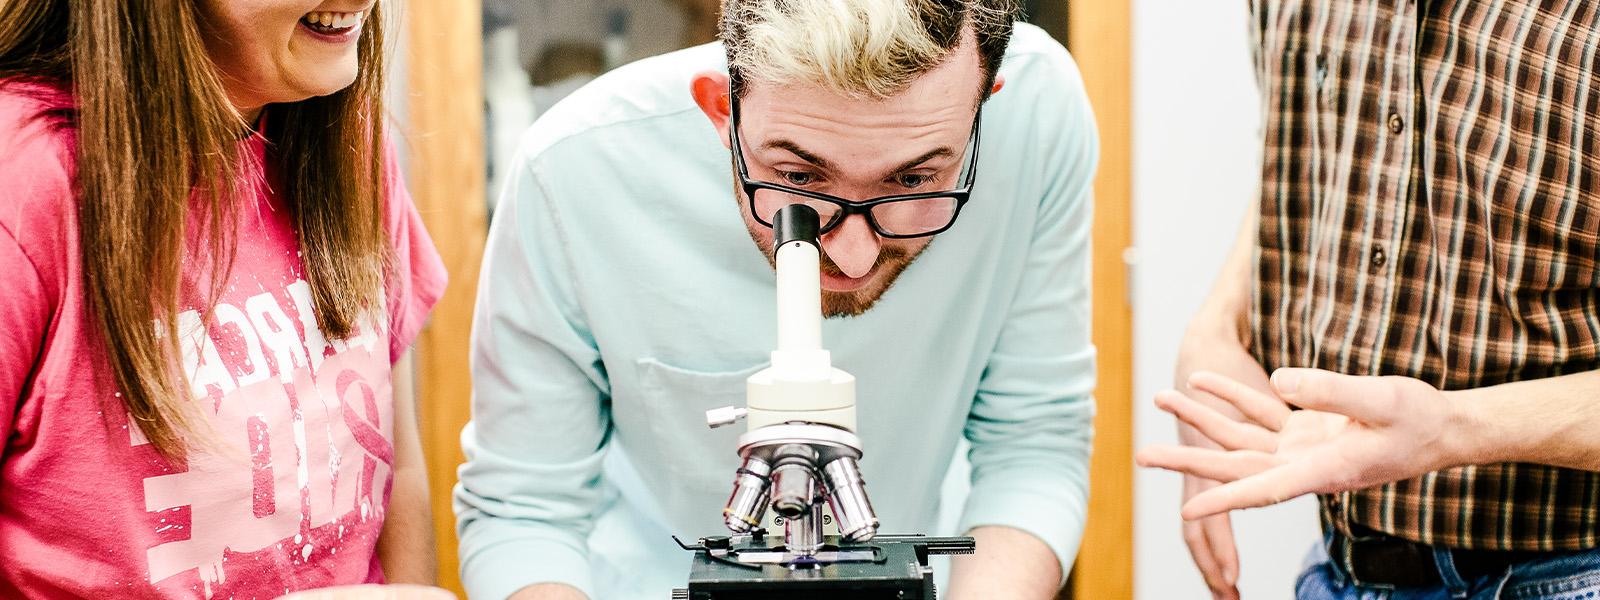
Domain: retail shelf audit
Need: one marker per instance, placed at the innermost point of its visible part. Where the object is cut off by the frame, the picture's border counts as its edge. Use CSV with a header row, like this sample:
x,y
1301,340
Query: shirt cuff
x,y
1054,512
500,569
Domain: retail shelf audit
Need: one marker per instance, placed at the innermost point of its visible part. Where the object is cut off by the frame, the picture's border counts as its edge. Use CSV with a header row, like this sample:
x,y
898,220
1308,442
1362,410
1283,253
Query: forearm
x,y
1222,315
1009,563
1215,338
406,544
1543,421
549,591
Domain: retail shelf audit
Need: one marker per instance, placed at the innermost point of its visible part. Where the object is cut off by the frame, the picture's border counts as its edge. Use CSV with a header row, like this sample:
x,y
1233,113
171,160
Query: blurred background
x,y
1174,93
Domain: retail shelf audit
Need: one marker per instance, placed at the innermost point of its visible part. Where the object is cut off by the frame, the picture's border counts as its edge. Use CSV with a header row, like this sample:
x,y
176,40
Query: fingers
x,y
1367,399
1226,432
1219,533
1207,540
1272,486
1216,465
1194,536
1260,407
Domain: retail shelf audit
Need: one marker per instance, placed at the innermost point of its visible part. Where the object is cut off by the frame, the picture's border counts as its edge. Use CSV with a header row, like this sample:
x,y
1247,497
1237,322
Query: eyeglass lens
x,y
901,217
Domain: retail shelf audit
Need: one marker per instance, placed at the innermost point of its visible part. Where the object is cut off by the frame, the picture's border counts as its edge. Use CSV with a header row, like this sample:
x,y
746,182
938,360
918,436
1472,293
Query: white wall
x,y
1196,156
654,26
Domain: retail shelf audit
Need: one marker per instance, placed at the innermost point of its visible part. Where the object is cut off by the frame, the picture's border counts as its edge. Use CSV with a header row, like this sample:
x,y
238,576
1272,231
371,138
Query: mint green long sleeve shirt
x,y
621,297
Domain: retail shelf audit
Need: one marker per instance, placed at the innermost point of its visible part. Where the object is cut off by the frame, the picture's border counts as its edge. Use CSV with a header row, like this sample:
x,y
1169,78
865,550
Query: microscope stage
x,y
886,568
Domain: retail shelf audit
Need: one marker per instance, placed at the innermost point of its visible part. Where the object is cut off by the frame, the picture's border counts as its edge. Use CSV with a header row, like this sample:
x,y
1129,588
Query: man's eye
x,y
912,180
797,178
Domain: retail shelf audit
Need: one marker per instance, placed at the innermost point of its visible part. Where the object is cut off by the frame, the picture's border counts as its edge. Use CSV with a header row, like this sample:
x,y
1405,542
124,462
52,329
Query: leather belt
x,y
1378,559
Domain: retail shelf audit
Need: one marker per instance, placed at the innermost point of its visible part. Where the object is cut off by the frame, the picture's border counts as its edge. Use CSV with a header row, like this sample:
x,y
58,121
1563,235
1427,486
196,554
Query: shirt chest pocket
x,y
694,464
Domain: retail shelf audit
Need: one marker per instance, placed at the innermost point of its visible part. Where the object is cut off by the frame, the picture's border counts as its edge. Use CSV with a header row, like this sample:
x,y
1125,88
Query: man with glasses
x,y
895,217
622,295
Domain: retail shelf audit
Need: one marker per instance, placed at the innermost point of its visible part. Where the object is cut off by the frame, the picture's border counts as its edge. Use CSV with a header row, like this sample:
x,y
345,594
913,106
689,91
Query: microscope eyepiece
x,y
795,223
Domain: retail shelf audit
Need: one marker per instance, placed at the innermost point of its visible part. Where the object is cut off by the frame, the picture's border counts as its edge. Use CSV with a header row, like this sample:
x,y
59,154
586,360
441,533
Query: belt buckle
x,y
1411,565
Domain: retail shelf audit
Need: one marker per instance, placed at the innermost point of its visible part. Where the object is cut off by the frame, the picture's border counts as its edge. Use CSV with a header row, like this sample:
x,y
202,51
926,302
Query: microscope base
x,y
897,569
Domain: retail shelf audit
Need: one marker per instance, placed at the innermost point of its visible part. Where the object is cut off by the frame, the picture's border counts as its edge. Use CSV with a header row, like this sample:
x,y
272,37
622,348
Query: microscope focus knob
x,y
727,415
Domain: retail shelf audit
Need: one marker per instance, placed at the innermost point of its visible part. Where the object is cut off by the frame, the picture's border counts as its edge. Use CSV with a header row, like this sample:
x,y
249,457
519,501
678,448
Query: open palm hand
x,y
1352,433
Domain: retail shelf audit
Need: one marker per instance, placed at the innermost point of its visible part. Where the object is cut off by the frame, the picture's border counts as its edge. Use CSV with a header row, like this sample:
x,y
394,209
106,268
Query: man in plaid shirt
x,y
1421,277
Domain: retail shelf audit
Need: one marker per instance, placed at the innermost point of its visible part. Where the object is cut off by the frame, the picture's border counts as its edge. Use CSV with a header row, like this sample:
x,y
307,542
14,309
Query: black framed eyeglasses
x,y
897,216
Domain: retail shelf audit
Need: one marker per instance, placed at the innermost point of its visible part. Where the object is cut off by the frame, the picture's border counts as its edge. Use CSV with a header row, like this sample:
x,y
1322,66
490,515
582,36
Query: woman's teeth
x,y
331,22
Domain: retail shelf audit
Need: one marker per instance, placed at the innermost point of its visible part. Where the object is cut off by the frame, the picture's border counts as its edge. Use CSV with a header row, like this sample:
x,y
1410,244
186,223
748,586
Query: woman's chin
x,y
321,84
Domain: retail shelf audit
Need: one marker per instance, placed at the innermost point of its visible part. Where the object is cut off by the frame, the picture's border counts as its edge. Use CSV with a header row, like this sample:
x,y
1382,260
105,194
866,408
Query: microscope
x,y
801,456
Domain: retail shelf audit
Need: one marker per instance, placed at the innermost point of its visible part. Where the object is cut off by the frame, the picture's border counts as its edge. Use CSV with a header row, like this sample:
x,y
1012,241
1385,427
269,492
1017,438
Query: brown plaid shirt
x,y
1430,207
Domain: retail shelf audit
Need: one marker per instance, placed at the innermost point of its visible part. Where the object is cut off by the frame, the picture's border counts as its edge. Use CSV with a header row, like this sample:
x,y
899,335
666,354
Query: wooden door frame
x,y
1099,35
444,134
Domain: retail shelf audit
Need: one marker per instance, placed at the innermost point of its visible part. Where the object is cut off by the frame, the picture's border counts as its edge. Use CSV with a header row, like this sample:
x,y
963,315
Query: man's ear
x,y
710,91
999,82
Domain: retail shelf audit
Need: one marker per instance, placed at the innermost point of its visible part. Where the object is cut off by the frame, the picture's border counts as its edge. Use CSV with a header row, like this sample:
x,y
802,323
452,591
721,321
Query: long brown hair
x,y
158,139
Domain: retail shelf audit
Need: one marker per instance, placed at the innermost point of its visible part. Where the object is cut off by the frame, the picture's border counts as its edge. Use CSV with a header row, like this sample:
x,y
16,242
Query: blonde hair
x,y
858,48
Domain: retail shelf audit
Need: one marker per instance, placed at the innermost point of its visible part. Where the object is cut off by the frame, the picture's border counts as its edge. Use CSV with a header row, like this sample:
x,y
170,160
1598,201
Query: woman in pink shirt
x,y
209,269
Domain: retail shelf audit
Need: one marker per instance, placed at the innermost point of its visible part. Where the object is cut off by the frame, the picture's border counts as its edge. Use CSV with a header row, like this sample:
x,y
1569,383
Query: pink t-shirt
x,y
290,488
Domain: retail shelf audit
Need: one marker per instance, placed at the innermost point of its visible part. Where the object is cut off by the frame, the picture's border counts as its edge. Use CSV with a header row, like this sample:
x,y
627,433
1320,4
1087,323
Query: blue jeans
x,y
1559,576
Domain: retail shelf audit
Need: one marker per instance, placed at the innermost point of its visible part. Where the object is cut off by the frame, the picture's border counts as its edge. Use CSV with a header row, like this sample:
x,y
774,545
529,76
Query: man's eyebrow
x,y
823,163
800,152
930,155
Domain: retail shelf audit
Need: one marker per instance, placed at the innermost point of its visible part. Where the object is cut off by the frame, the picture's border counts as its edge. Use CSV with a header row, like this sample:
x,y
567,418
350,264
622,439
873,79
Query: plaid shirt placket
x,y
1429,208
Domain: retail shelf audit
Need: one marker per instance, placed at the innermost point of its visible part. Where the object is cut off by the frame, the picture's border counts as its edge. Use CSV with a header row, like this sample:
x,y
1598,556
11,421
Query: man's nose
x,y
853,245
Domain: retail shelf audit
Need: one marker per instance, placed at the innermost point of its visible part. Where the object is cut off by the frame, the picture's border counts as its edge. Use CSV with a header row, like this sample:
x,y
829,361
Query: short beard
x,y
891,262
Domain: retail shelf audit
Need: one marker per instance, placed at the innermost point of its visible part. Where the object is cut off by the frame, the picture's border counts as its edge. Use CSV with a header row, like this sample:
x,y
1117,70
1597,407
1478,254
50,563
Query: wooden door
x,y
1100,39
443,134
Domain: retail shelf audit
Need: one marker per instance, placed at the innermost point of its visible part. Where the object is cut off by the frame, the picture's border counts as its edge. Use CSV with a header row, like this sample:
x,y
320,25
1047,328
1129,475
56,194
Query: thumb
x,y
1367,399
